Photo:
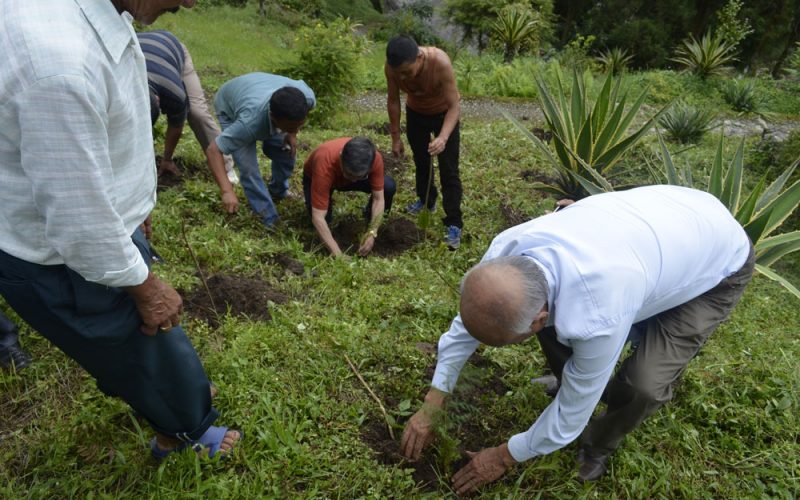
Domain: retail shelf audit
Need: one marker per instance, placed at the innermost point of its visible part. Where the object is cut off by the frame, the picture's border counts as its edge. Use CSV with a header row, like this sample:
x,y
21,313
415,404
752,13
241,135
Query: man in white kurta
x,y
663,265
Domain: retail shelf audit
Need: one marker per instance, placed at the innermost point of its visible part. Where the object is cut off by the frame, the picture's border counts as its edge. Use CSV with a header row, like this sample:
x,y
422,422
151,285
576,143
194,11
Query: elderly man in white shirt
x,y
661,266
77,180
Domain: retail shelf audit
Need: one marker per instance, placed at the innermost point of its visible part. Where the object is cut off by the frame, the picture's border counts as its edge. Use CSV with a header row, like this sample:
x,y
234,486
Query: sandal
x,y
211,440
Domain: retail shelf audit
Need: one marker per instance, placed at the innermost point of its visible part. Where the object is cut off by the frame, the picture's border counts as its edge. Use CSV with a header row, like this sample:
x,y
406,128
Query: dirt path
x,y
486,108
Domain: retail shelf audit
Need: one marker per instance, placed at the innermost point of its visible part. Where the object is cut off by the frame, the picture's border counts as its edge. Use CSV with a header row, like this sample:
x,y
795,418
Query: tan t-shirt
x,y
424,92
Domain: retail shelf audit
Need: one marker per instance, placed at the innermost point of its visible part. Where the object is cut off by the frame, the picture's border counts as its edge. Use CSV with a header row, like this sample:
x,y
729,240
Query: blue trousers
x,y
160,377
258,194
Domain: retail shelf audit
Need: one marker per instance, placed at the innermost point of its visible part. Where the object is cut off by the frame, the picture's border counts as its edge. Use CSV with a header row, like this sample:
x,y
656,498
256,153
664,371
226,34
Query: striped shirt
x,y
164,56
77,168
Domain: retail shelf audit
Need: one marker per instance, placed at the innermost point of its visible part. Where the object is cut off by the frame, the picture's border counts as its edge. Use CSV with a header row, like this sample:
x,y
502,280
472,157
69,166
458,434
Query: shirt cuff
x,y
134,275
518,447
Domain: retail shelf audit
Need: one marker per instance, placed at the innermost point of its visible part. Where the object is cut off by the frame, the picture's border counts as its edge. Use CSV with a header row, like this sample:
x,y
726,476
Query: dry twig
x,y
377,400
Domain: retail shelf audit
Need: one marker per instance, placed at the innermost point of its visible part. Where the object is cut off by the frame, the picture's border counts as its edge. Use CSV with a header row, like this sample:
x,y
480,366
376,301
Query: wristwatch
x,y
373,233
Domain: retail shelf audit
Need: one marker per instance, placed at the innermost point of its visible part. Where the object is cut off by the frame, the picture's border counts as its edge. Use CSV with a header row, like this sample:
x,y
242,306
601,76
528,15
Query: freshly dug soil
x,y
288,264
186,168
246,296
480,383
394,166
512,216
395,236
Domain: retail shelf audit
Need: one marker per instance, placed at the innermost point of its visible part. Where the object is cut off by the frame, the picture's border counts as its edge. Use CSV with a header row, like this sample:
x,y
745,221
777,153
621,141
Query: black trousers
x,y
389,189
161,376
419,129
667,342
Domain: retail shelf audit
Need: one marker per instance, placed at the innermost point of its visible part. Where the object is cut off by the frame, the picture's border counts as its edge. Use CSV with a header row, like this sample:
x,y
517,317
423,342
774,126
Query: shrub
x,y
516,28
589,138
761,212
412,20
575,54
329,61
707,57
741,95
614,61
684,123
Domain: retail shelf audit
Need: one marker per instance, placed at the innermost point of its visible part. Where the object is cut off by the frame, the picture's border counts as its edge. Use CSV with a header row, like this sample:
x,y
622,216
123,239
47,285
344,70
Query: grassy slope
x,y
732,430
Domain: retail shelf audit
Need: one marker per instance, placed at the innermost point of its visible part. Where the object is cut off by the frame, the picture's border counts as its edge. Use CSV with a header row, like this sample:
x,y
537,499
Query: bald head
x,y
502,300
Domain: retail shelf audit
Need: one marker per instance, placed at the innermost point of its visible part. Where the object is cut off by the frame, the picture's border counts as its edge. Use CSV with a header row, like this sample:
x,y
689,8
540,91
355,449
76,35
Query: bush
x,y
614,61
684,123
708,57
575,54
741,95
516,29
412,20
329,61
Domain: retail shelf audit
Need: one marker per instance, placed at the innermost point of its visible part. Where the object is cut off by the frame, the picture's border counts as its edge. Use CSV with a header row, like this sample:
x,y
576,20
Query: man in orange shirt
x,y
346,165
426,75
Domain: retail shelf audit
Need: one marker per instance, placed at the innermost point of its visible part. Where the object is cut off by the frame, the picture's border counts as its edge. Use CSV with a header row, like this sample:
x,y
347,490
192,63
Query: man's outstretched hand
x,y
421,427
484,467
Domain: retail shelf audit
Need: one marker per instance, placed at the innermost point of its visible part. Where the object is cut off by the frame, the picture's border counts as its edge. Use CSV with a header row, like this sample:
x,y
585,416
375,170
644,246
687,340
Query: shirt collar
x,y
114,30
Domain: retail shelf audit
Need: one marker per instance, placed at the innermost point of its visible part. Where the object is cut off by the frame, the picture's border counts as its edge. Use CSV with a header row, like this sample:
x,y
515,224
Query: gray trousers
x,y
645,380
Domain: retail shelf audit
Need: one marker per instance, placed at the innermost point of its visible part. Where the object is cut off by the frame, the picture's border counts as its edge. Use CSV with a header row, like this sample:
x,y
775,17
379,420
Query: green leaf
x,y
769,273
776,186
715,178
732,186
745,212
770,250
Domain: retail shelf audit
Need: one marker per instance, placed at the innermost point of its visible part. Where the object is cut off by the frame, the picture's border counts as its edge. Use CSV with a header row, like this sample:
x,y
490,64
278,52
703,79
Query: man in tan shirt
x,y
426,76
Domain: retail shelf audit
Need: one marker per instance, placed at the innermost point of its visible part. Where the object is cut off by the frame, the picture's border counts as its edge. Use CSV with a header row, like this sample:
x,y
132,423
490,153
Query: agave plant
x,y
708,57
761,212
515,27
684,123
588,138
615,60
741,95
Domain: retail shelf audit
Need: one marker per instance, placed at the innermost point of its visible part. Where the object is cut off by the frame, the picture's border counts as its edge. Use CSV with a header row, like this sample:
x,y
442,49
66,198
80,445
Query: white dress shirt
x,y
610,260
77,168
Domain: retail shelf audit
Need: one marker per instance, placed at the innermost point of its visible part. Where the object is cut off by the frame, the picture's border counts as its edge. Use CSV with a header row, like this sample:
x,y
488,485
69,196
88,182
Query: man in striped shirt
x,y
175,91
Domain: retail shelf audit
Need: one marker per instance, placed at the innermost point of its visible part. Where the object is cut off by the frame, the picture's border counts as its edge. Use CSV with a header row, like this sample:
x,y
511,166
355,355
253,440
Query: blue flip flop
x,y
211,440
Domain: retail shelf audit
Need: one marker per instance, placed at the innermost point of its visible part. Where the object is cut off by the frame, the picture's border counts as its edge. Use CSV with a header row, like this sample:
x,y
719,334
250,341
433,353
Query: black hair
x,y
289,103
400,50
357,156
154,111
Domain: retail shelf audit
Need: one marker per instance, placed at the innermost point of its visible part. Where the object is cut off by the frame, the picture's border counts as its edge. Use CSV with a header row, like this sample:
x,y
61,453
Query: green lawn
x,y
311,428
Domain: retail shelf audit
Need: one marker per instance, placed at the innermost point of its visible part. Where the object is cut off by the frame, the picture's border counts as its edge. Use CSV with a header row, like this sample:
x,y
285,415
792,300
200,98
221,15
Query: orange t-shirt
x,y
324,166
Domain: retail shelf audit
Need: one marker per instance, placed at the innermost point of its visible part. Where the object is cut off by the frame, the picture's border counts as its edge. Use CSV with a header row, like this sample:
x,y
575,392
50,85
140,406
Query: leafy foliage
x,y
517,27
731,26
761,212
685,123
576,53
741,95
615,60
329,60
707,57
588,138
412,20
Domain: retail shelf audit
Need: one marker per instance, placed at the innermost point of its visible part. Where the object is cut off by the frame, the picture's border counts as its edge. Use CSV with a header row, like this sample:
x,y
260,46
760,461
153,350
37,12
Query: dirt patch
x,y
512,216
393,166
186,169
395,236
383,128
470,426
289,264
387,452
241,295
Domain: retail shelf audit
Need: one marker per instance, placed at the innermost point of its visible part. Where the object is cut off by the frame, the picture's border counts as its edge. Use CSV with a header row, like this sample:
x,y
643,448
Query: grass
x,y
732,430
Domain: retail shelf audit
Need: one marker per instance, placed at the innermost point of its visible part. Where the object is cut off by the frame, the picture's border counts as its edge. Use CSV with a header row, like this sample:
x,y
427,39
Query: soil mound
x,y
241,295
395,236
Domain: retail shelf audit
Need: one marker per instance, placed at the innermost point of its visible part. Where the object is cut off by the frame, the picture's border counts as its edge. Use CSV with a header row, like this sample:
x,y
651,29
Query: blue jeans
x,y
246,159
